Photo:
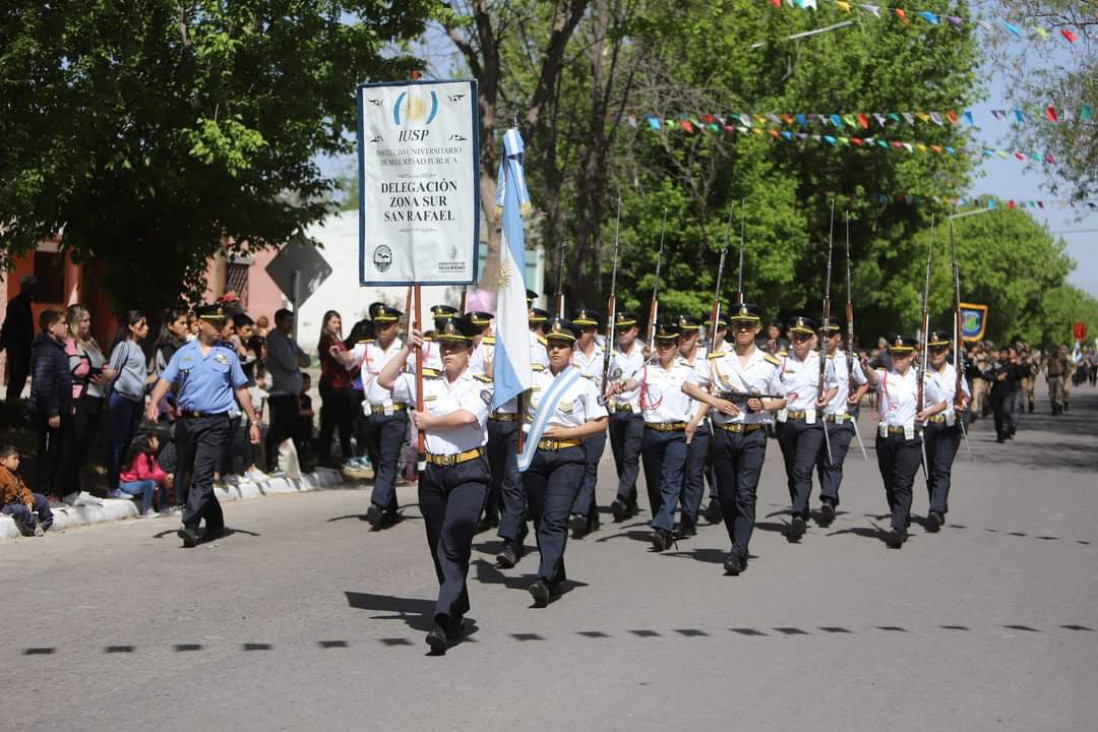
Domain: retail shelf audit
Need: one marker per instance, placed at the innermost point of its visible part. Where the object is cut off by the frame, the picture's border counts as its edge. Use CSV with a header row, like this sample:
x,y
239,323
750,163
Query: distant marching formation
x,y
684,410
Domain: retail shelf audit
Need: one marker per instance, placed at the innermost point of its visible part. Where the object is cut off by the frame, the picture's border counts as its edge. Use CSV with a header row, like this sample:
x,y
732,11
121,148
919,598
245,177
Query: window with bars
x,y
236,278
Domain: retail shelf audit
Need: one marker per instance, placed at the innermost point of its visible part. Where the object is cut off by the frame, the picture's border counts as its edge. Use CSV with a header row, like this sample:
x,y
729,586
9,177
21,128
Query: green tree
x,y
152,135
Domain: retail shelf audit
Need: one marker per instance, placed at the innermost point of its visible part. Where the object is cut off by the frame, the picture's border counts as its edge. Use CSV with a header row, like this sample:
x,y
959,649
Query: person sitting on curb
x,y
31,511
141,475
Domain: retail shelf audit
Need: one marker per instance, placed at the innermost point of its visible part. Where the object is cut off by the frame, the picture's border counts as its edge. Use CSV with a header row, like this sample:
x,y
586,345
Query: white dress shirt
x,y
627,366
759,375
441,397
897,397
800,383
581,403
839,364
941,386
661,396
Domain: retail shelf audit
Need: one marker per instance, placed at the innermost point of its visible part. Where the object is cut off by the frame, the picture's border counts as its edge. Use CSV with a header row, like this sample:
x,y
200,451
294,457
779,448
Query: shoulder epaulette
x,y
831,355
716,354
542,340
483,377
771,359
537,367
432,373
488,340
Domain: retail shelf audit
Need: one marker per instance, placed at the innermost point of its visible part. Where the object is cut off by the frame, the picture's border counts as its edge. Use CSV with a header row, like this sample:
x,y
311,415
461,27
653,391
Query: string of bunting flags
x,y
865,120
989,202
693,126
906,17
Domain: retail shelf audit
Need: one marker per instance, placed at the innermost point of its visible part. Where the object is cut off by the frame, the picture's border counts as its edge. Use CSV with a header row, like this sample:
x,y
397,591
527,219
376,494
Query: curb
x,y
117,509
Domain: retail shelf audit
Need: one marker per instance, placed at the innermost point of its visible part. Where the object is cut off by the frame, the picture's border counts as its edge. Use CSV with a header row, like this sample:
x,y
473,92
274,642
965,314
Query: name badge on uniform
x,y
909,432
783,415
387,407
810,416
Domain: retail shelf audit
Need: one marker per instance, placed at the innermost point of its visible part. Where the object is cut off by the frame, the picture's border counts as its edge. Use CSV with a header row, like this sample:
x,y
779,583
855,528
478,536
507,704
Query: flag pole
x,y
421,447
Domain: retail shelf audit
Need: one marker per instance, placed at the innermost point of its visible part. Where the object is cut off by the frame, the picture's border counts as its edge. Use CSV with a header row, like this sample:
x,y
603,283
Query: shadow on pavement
x,y
416,613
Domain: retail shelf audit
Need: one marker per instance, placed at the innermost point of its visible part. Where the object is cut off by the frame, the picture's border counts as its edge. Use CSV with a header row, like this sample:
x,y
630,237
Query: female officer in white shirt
x,y
452,489
670,420
942,433
563,410
899,446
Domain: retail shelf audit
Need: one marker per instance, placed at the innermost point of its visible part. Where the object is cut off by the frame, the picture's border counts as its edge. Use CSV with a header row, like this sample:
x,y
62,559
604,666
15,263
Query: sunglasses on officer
x,y
801,337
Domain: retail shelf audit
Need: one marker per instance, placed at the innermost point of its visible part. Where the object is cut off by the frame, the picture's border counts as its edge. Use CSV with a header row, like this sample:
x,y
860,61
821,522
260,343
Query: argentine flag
x,y
511,369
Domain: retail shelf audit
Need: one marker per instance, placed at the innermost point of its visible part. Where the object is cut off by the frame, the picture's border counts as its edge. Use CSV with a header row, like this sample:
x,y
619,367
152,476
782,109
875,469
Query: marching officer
x,y
386,427
746,388
565,410
800,424
588,357
537,318
899,445
942,433
484,339
712,510
208,376
697,453
453,487
840,424
626,426
670,419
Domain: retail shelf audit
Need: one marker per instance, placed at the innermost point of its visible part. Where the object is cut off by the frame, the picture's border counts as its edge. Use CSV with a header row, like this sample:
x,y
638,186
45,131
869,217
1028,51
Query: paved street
x,y
305,619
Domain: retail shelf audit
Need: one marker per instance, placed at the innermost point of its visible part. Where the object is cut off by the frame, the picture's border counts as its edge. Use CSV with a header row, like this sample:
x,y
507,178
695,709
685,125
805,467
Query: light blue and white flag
x,y
511,369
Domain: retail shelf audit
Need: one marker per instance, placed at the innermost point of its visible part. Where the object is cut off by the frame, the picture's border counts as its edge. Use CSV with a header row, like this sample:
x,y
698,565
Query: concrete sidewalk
x,y
117,509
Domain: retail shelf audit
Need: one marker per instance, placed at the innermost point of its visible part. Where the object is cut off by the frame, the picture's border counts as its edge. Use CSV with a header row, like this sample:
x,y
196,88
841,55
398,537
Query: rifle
x,y
558,297
740,398
852,385
920,400
654,309
739,272
717,290
820,385
611,305
958,338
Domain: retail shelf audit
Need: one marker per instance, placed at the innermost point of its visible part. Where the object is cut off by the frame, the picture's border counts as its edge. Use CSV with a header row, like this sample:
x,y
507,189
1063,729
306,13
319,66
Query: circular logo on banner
x,y
383,258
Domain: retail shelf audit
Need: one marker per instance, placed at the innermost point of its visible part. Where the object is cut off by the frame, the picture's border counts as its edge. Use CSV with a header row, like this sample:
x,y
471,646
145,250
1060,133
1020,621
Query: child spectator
x,y
303,429
17,501
142,475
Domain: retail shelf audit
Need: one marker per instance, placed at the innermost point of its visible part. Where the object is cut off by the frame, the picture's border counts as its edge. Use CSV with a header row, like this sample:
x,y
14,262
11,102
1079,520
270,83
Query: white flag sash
x,y
546,407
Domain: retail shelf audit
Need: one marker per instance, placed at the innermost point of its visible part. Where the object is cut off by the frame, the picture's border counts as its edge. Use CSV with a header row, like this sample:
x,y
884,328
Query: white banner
x,y
419,183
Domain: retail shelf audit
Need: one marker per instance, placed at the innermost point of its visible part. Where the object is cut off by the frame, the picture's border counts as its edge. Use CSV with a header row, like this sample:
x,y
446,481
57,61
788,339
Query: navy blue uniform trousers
x,y
738,459
693,477
898,460
384,439
451,498
831,472
664,459
584,503
626,435
942,442
551,483
506,486
801,445
198,445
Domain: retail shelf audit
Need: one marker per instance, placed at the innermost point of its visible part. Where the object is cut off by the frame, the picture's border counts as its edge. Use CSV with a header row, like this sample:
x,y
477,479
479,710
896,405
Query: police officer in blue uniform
x,y
208,376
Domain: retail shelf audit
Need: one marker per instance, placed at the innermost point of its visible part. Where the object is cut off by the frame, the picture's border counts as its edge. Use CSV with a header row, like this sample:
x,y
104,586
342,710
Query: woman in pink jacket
x,y
141,475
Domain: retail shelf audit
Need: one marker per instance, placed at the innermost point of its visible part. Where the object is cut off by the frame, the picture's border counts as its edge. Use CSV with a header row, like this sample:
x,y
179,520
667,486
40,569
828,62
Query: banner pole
x,y
421,448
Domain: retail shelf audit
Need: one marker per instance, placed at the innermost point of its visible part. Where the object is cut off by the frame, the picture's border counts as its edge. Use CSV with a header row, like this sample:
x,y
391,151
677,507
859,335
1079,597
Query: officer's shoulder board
x,y
715,355
771,359
543,340
537,367
488,340
431,373
483,377
831,355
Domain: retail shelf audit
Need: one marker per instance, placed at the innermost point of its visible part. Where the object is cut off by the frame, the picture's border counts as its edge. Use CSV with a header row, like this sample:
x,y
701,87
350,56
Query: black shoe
x,y
662,540
455,628
487,524
895,538
619,509
735,565
796,528
509,555
374,515
827,514
437,639
713,513
1031,409
687,529
216,532
631,510
578,525
1000,439
541,592
934,521
593,523
189,537
1064,408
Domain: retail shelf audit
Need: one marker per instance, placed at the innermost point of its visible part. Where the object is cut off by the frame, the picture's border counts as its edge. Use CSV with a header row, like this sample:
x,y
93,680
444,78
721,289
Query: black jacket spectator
x,y
51,388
